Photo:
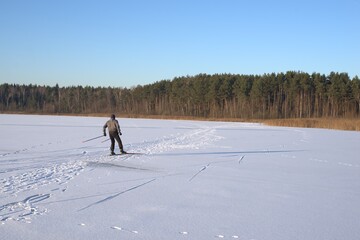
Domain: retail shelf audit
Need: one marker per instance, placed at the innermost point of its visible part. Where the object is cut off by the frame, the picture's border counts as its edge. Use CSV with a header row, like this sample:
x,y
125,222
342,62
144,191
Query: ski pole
x,y
93,138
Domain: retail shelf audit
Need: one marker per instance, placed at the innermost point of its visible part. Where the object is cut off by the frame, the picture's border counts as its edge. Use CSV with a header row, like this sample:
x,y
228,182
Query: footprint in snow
x,y
222,236
124,229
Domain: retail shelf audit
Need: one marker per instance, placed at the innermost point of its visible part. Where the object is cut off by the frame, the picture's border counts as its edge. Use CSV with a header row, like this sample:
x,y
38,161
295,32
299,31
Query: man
x,y
114,131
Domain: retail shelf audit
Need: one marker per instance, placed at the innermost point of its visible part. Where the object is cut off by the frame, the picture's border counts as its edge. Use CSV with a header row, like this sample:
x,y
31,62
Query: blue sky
x,y
131,42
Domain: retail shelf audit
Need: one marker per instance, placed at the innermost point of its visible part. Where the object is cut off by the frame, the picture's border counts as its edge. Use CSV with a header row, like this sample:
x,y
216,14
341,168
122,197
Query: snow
x,y
190,180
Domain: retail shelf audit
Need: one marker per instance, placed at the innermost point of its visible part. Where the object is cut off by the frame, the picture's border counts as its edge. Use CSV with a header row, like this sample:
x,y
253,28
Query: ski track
x,y
22,211
45,164
194,139
202,169
117,194
59,173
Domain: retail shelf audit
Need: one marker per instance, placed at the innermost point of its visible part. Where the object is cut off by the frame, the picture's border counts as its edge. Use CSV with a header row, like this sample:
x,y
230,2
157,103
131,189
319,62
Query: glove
x,y
120,133
104,134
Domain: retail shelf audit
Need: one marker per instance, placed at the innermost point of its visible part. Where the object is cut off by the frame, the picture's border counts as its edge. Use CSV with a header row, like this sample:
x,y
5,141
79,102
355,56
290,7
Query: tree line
x,y
276,95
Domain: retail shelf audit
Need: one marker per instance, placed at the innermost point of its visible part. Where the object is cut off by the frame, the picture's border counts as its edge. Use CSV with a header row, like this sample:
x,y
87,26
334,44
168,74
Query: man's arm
x,y
118,127
104,128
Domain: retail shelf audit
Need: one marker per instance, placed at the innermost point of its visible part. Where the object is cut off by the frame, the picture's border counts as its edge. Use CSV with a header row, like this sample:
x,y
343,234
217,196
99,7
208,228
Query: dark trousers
x,y
115,136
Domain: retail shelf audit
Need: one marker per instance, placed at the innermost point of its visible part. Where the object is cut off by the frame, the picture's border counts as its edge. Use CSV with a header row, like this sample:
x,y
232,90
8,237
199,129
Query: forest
x,y
268,96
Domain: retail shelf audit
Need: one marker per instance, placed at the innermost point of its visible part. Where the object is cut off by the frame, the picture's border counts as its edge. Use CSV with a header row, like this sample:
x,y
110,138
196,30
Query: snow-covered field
x,y
191,180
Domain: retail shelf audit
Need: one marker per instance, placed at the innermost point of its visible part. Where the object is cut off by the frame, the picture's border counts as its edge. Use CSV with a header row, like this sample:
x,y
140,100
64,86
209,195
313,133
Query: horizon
x,y
130,87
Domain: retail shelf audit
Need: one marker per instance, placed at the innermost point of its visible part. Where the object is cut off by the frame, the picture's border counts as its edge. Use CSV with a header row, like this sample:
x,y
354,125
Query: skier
x,y
114,132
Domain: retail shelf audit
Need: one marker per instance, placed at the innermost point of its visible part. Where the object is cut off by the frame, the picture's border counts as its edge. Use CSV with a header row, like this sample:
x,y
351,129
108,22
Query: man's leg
x,y
112,147
118,139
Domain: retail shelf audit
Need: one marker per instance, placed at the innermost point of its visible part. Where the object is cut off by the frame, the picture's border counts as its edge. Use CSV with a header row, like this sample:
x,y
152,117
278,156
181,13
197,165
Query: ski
x,y
127,153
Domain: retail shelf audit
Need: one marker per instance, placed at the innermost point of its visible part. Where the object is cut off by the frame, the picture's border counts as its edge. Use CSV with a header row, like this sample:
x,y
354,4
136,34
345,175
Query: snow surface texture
x,y
188,180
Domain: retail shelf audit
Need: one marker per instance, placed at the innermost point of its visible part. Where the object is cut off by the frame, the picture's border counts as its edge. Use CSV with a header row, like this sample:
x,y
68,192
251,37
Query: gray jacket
x,y
113,126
